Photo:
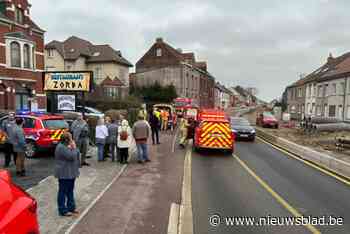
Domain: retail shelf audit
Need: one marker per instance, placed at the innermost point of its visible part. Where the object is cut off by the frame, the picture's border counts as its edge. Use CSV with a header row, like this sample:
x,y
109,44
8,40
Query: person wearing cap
x,y
8,127
141,131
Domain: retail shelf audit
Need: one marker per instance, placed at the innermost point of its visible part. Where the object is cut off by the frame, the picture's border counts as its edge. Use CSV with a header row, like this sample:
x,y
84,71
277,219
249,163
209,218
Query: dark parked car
x,y
242,129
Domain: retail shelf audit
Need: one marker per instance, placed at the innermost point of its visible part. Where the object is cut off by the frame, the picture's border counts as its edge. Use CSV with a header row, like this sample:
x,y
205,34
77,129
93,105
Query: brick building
x,y
169,66
21,58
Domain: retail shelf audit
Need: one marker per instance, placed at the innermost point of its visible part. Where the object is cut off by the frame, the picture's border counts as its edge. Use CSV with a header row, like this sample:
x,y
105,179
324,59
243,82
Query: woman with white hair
x,y
124,141
101,135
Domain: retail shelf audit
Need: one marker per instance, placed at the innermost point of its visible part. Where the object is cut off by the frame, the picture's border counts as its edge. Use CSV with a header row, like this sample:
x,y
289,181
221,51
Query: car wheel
x,y
230,151
30,149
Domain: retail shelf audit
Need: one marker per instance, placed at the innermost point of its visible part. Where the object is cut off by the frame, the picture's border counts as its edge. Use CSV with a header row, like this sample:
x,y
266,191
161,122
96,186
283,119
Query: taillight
x,y
33,207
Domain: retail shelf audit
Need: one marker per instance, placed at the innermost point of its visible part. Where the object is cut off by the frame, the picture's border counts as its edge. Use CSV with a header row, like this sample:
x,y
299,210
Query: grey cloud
x,y
266,44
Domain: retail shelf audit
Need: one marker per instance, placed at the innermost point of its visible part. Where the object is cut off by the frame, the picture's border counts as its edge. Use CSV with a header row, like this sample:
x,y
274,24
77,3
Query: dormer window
x,y
159,52
19,15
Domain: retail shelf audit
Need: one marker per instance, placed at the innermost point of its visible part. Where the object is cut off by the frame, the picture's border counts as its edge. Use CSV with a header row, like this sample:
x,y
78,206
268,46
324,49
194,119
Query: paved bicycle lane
x,y
139,201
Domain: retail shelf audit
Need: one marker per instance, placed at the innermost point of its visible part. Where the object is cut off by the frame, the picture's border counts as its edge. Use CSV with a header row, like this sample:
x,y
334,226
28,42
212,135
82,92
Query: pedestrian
x,y
7,127
101,135
106,150
112,138
66,171
141,131
183,132
19,146
155,125
81,133
124,141
165,120
143,111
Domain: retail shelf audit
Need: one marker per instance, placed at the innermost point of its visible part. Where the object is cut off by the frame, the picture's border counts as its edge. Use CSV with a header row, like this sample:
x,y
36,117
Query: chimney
x,y
330,58
159,40
179,50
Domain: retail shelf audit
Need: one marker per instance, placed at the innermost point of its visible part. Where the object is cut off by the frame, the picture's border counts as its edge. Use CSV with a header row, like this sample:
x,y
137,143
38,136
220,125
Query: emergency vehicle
x,y
42,131
214,131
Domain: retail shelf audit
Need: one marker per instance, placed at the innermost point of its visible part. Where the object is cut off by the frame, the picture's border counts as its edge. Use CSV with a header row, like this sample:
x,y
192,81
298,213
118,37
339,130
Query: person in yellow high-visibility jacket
x,y
183,132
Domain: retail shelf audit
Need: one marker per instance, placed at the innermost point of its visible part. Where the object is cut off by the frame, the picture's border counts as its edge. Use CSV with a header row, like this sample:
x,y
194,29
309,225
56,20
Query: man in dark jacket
x,y
155,124
112,139
80,130
8,127
66,171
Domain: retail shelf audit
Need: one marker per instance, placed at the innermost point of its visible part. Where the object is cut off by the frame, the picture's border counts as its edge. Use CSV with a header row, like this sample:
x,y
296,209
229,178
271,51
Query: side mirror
x,y
5,175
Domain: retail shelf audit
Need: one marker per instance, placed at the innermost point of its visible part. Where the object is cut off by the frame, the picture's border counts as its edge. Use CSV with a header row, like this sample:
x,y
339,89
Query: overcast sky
x,y
262,43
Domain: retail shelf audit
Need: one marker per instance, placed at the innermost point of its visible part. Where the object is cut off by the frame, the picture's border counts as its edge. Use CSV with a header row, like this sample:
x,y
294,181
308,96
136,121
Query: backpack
x,y
124,135
3,137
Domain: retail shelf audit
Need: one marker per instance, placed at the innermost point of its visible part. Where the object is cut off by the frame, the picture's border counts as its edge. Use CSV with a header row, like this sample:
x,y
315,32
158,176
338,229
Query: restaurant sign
x,y
67,81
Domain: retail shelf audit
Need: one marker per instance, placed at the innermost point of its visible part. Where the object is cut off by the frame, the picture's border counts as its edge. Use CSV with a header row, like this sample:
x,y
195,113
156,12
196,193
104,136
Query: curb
x,y
322,160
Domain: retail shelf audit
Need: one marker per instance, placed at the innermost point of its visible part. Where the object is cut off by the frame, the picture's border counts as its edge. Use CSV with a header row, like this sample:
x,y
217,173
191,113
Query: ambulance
x,y
213,131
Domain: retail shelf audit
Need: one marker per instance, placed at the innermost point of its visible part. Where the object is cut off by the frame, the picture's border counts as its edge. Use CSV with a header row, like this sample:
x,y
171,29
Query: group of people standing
x,y
112,137
14,143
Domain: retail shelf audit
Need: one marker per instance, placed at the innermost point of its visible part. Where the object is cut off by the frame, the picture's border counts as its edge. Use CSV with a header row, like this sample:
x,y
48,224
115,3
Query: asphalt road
x,y
37,169
221,185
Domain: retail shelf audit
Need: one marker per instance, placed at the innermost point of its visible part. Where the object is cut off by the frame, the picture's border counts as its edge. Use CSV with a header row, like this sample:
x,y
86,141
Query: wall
x,y
54,62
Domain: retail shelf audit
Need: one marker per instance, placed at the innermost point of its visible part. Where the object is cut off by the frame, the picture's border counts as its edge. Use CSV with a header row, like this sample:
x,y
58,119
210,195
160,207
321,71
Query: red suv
x,y
42,131
18,210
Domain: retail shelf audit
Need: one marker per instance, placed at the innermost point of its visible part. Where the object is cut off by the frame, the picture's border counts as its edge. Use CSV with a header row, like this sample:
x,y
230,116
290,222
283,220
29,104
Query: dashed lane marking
x,y
275,195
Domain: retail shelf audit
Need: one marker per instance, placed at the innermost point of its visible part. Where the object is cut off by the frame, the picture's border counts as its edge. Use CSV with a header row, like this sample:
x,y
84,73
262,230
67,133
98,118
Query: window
x,y
319,91
159,52
22,102
300,94
314,93
97,73
340,112
33,57
334,88
331,111
342,87
313,111
15,54
325,90
26,56
111,92
50,52
19,15
318,110
29,123
348,112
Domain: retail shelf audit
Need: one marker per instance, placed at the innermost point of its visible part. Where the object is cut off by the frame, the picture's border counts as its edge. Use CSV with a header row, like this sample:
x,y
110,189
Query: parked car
x,y
42,131
89,111
242,128
18,210
266,119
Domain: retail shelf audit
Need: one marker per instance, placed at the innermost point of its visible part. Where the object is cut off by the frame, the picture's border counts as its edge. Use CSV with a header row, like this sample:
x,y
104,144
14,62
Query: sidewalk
x,y
139,201
91,182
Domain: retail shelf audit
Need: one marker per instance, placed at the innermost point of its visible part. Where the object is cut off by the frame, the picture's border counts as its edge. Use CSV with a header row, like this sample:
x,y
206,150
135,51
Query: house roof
x,y
111,82
331,69
75,47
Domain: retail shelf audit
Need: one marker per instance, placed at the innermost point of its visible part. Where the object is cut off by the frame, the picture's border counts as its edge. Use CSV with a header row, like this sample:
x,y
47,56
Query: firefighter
x,y
183,132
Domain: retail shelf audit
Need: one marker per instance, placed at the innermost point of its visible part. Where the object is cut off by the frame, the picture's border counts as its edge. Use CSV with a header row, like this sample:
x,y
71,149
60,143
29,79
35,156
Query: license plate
x,y
244,135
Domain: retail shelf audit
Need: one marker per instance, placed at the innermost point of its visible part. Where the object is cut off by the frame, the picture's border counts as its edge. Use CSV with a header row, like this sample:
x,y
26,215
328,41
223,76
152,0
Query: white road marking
x,y
174,215
186,215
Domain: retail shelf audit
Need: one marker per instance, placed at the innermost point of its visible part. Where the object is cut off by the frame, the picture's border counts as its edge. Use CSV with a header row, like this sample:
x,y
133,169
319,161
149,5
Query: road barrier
x,y
324,160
